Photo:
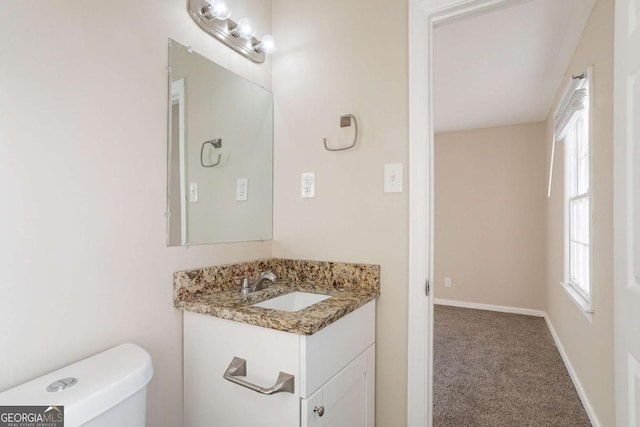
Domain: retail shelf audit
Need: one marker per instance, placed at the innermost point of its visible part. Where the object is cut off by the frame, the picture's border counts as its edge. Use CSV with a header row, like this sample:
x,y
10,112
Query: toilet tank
x,y
110,389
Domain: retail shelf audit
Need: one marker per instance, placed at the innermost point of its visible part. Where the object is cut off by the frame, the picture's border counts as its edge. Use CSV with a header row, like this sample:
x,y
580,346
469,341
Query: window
x,y
572,127
577,205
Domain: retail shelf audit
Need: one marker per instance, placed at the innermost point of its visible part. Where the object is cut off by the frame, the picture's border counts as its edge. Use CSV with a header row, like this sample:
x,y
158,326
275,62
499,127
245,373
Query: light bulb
x,y
216,10
244,29
221,10
266,45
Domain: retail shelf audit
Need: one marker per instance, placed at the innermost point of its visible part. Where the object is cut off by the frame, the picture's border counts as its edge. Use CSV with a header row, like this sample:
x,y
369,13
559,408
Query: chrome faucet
x,y
258,284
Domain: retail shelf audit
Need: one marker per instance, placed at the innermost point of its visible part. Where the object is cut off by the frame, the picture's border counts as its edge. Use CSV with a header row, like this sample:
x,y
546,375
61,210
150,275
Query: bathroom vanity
x,y
300,352
248,365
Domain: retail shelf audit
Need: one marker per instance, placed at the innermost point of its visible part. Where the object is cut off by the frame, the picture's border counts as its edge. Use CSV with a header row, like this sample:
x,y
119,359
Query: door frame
x,y
424,16
178,98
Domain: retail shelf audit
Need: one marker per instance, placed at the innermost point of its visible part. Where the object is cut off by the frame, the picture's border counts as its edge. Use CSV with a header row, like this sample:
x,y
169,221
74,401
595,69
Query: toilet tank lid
x,y
104,380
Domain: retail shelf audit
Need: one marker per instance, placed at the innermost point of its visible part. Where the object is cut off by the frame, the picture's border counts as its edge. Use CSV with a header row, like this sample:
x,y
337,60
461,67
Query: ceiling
x,y
505,66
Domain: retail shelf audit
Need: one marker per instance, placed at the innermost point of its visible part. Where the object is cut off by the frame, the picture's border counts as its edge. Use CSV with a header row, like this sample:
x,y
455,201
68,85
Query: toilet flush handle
x,y
62,384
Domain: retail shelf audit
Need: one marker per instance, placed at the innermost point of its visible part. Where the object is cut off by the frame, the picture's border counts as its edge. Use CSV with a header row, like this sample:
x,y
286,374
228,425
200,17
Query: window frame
x,y
578,295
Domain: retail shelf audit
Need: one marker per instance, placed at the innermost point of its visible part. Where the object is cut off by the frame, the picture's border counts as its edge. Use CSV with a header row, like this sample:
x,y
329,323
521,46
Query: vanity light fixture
x,y
214,17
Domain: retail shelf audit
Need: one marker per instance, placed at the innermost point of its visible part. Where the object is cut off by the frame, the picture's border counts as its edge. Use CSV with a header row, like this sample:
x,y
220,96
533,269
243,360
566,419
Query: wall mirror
x,y
220,154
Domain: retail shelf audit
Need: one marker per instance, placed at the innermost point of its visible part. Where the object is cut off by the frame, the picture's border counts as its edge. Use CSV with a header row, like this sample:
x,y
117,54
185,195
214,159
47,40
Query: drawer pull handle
x,y
238,368
319,410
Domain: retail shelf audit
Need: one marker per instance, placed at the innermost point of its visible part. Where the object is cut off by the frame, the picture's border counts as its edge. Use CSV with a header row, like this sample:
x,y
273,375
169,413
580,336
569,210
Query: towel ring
x,y
216,143
345,121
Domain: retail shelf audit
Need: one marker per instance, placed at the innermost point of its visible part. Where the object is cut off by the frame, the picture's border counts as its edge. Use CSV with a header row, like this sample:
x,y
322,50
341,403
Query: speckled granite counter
x,y
213,291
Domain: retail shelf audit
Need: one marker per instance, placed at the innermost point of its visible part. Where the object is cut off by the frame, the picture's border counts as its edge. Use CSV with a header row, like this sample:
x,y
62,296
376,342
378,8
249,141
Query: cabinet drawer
x,y
210,344
329,350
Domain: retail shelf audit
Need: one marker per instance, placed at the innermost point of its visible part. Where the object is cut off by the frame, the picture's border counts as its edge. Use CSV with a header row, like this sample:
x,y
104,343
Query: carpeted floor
x,y
498,369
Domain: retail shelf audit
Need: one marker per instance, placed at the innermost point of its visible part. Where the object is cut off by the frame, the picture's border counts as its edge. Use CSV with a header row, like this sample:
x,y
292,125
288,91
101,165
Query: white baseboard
x,y
574,377
490,307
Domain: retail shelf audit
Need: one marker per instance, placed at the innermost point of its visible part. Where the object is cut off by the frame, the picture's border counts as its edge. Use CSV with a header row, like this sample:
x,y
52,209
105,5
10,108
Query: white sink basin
x,y
293,301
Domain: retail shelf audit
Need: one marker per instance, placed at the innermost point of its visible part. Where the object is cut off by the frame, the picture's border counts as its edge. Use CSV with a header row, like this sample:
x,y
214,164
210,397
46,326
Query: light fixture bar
x,y
222,30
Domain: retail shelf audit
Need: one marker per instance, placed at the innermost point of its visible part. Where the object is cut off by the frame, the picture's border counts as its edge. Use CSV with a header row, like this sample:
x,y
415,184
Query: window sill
x,y
584,306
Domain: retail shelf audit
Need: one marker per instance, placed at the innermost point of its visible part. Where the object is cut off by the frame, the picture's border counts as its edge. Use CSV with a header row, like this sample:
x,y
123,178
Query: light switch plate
x,y
393,178
193,192
242,189
308,185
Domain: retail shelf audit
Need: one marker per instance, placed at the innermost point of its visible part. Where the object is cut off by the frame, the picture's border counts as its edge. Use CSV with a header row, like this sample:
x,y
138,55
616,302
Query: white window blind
x,y
574,100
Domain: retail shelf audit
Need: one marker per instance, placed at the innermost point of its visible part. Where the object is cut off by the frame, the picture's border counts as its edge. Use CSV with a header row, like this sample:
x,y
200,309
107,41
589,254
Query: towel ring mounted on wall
x,y
216,143
345,121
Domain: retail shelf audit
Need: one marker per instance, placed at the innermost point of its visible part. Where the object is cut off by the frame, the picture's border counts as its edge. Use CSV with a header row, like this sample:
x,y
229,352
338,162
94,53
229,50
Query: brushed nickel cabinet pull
x,y
238,368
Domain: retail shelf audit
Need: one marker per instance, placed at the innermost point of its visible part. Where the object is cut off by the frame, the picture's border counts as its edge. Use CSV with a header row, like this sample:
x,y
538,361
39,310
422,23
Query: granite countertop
x,y
199,291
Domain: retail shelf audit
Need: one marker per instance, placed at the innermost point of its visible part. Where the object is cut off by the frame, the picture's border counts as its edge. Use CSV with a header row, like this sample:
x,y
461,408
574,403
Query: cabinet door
x,y
346,400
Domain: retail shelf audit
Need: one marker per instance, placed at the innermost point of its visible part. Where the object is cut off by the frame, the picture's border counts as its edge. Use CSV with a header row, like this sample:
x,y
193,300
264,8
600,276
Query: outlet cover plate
x,y
242,189
308,185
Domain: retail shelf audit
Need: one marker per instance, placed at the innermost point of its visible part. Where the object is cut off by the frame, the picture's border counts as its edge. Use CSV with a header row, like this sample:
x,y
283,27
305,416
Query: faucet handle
x,y
244,282
269,275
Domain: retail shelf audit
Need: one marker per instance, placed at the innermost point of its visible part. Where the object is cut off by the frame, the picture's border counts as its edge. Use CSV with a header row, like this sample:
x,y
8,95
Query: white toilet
x,y
110,389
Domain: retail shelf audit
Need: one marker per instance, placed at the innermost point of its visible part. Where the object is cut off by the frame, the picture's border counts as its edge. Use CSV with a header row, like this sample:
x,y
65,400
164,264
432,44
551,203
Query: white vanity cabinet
x,y
333,369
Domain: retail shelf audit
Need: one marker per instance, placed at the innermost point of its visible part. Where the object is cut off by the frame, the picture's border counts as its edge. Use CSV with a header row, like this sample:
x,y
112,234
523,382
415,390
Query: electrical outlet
x,y
308,185
242,189
447,282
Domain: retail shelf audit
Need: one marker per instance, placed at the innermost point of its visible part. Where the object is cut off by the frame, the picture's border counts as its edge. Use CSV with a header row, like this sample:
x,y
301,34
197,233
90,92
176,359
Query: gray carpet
x,y
498,369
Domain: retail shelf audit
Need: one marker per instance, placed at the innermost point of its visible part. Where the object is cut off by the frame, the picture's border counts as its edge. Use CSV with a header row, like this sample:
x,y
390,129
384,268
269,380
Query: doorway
x,y
424,18
496,78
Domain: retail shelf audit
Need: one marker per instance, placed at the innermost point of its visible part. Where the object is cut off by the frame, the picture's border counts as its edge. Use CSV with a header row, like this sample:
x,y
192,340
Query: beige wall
x,y
589,344
333,60
490,198
83,127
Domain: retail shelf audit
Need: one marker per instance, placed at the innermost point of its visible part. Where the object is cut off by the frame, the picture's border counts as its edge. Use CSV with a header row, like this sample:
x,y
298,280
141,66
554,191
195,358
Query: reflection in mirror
x,y
220,154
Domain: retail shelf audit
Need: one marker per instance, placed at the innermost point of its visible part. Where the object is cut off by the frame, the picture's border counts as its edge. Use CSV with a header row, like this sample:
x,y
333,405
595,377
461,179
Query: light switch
x,y
193,192
242,189
393,178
